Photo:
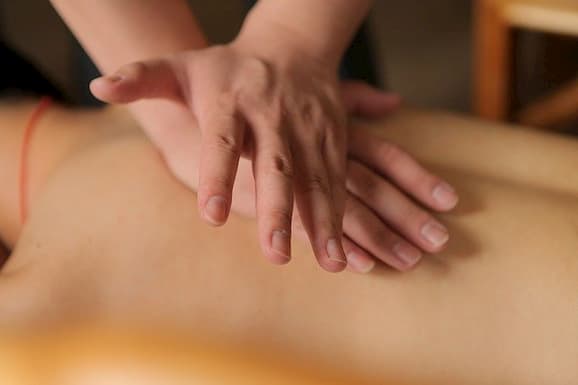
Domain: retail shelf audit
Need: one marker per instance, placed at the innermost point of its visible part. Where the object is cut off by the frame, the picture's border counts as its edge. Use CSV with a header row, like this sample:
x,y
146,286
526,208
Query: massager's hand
x,y
375,221
381,221
281,111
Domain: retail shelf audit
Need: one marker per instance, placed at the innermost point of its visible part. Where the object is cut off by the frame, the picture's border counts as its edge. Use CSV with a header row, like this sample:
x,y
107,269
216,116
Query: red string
x,y
24,158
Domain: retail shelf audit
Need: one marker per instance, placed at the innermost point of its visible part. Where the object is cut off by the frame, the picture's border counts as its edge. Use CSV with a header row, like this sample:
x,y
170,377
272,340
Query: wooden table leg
x,y
493,61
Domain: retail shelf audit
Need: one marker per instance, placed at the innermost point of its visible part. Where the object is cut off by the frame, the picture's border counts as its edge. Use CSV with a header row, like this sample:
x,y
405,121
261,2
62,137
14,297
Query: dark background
x,y
422,49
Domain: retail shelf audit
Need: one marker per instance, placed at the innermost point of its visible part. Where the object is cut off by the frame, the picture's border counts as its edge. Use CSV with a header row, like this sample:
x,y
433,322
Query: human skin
x,y
271,96
393,174
419,231
499,305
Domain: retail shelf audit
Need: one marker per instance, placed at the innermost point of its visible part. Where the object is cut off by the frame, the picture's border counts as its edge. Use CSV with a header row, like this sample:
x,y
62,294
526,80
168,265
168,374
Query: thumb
x,y
363,100
155,79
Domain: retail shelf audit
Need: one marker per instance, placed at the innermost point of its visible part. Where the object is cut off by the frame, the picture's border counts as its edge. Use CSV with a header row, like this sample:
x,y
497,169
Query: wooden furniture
x,y
495,20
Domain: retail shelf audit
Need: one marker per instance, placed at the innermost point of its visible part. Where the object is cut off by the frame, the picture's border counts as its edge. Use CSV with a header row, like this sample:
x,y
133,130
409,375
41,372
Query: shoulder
x,y
59,134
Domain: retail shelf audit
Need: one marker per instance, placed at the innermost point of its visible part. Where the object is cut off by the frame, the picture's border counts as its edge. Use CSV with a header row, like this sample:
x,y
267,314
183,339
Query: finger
x,y
397,165
316,208
336,165
363,100
358,260
141,80
396,209
273,170
364,228
221,146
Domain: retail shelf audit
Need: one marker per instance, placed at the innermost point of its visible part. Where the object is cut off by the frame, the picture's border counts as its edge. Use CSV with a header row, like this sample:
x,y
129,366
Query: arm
x,y
118,32
319,28
249,86
169,28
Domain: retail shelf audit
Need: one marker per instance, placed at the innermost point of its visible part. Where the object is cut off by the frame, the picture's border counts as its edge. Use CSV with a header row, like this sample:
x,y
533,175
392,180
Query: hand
x,y
284,114
369,237
381,222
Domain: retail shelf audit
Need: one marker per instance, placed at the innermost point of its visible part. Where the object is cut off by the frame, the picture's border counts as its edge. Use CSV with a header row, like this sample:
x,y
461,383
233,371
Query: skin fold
x,y
114,239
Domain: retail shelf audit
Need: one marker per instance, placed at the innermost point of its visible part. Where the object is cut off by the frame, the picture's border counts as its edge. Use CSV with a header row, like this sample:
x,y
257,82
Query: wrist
x,y
278,41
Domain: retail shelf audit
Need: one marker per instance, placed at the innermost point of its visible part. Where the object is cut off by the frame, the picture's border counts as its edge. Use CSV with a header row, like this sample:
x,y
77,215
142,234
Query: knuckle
x,y
314,184
419,179
216,183
282,166
259,74
391,153
281,216
362,179
337,116
426,180
226,142
267,118
367,184
339,189
353,209
226,102
307,112
378,237
422,181
311,114
340,178
416,217
134,70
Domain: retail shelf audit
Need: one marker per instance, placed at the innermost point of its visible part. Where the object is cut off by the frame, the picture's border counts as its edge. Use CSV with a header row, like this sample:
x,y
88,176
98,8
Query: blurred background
x,y
492,58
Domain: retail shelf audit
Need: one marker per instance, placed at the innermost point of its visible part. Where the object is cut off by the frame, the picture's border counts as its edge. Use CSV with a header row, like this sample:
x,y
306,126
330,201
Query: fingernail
x,y
216,210
407,254
360,264
281,244
334,251
115,78
445,195
435,233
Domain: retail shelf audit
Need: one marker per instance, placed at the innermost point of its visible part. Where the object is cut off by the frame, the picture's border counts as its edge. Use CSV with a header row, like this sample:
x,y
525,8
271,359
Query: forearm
x,y
322,28
117,32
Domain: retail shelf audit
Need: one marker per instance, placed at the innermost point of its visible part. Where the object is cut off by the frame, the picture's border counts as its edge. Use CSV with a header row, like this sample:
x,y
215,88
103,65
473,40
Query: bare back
x,y
113,237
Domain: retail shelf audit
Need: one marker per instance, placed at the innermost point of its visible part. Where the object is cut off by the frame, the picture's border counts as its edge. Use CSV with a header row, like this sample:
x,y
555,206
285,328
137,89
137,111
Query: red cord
x,y
24,149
